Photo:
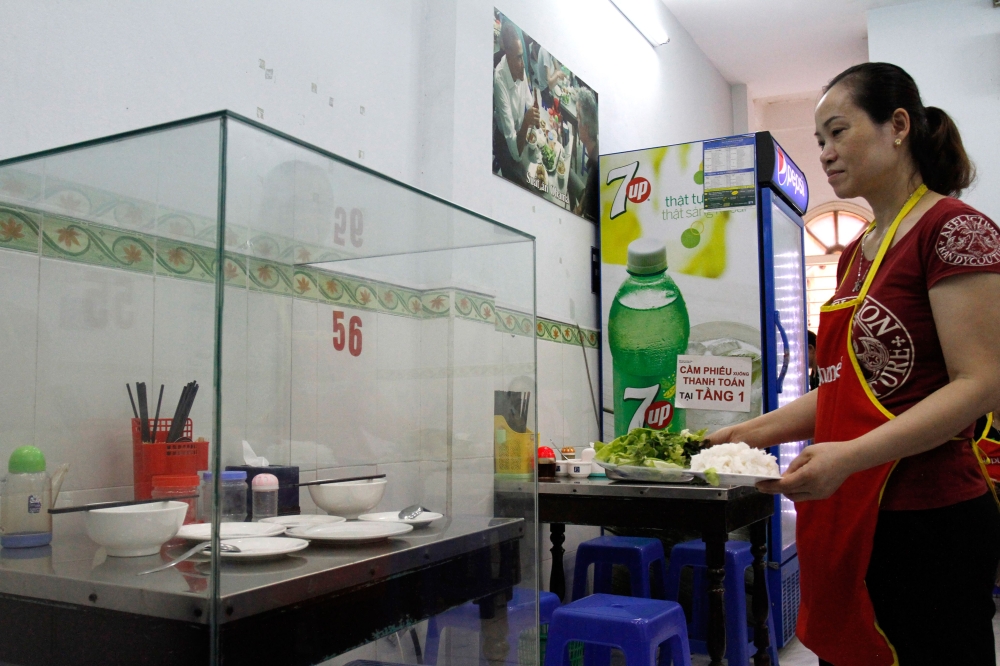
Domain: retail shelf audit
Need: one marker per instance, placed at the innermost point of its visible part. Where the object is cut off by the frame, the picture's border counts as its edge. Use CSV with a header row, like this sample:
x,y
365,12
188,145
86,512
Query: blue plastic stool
x,y
520,618
739,644
635,625
636,553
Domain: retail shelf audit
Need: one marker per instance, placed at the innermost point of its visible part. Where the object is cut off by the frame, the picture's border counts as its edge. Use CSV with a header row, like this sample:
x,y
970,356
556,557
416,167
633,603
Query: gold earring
x,y
899,142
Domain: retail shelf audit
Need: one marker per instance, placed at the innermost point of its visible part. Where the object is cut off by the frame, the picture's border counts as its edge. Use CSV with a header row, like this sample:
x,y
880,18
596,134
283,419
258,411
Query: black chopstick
x,y
325,481
140,389
128,387
112,505
187,401
156,419
182,411
172,433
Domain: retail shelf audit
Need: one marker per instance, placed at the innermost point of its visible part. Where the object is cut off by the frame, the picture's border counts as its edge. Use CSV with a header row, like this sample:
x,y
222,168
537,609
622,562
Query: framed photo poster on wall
x,y
544,123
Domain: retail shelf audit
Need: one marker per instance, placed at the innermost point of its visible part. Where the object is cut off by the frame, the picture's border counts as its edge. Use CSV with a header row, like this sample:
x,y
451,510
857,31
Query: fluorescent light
x,y
647,17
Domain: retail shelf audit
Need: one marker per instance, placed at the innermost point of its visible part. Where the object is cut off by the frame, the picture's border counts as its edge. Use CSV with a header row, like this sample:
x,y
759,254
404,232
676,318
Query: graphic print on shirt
x,y
883,347
969,240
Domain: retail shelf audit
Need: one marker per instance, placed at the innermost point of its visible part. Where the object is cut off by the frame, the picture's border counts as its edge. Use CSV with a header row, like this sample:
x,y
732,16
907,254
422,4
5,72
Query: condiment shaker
x,y
265,497
25,499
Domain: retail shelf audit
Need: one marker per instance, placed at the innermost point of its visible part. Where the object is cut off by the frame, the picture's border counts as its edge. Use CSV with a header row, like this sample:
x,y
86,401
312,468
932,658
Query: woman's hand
x,y
723,436
815,474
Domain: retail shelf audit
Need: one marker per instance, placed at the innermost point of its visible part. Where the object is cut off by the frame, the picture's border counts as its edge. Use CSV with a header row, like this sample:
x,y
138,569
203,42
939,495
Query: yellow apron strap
x,y
876,262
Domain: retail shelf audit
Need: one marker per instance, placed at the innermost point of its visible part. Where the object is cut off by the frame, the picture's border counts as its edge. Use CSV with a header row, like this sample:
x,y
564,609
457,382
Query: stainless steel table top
x,y
604,487
77,571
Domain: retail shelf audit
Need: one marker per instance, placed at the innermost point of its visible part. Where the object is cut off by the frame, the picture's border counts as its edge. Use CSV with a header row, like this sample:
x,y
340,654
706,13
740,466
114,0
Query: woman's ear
x,y
900,122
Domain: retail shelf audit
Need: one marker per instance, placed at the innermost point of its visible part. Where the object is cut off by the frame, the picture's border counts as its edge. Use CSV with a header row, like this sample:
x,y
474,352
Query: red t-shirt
x,y
897,346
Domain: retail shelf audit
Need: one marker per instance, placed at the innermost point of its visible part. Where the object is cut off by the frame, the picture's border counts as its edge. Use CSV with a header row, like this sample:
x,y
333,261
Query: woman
x,y
898,532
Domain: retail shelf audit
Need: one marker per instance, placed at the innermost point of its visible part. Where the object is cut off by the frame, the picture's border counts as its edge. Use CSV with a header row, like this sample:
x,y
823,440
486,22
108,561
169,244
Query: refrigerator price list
x,y
718,383
728,181
735,158
729,172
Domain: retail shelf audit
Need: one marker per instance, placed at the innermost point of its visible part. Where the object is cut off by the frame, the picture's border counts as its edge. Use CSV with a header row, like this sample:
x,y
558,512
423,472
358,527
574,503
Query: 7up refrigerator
x,y
703,302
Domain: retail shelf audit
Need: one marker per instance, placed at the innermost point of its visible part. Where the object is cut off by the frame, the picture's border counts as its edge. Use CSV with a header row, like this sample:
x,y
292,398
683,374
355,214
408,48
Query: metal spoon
x,y
411,512
224,547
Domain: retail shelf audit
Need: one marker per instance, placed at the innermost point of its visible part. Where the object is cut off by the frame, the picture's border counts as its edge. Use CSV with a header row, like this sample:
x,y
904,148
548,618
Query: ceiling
x,y
779,47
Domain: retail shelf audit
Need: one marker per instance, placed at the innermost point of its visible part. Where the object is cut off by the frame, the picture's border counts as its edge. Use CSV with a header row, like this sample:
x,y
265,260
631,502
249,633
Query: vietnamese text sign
x,y
721,383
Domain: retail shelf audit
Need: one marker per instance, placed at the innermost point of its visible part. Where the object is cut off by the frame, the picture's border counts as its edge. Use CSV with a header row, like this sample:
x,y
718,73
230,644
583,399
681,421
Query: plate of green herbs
x,y
654,456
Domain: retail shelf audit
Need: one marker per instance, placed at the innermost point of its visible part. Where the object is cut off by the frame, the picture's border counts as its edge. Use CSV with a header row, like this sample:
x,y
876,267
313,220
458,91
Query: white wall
x,y
952,50
790,120
402,87
421,70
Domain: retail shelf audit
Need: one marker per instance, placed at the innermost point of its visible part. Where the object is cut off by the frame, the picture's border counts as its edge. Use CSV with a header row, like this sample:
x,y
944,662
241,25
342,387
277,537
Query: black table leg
x,y
715,559
493,643
557,579
761,603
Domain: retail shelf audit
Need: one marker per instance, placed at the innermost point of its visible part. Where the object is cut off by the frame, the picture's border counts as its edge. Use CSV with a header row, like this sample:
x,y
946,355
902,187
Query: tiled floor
x,y
793,654
796,654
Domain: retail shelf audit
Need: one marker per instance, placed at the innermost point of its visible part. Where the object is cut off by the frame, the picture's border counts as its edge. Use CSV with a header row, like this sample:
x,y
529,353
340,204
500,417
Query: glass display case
x,y
178,303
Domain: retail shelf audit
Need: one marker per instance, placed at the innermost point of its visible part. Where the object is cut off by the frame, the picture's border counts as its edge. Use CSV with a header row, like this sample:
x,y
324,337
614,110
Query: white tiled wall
x,y
18,320
95,333
565,408
416,404
566,415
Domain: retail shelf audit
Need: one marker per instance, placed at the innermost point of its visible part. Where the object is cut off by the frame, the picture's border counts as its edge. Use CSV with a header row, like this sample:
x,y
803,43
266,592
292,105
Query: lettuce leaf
x,y
644,447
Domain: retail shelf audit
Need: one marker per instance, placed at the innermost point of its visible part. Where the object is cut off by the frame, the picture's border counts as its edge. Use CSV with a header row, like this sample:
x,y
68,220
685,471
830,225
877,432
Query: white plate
x,y
259,548
305,520
203,531
351,532
737,479
645,474
423,520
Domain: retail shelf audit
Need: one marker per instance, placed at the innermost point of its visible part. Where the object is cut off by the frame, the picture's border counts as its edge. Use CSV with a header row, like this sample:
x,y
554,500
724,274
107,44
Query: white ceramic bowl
x,y
134,531
562,467
350,499
579,469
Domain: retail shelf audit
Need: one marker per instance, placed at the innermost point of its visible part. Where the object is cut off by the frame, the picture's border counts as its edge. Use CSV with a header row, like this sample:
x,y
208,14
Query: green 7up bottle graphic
x,y
647,328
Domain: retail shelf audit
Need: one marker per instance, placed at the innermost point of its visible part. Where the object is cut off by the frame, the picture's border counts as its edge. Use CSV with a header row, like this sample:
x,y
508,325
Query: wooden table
x,y
713,512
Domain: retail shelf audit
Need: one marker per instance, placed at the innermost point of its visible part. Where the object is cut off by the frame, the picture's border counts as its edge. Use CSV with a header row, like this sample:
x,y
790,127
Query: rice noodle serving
x,y
735,458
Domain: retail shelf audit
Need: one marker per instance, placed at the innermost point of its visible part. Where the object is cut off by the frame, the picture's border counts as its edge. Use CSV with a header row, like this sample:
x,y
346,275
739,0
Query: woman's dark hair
x,y
879,88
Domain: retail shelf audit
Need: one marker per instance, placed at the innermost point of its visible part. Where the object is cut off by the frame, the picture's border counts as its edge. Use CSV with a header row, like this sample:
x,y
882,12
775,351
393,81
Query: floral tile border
x,y
183,260
89,242
436,303
235,271
19,230
554,331
476,307
94,205
513,322
66,238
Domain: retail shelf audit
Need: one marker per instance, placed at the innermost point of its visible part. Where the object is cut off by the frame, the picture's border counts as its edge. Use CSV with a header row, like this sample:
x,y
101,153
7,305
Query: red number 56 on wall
x,y
342,336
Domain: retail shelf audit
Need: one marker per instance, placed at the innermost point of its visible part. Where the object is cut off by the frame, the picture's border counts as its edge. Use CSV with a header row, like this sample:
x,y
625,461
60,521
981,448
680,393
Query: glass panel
x,y
789,299
368,336
367,329
107,256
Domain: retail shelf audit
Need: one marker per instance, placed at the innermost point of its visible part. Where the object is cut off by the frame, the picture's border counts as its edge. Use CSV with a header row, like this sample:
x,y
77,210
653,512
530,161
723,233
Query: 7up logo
x,y
656,415
631,188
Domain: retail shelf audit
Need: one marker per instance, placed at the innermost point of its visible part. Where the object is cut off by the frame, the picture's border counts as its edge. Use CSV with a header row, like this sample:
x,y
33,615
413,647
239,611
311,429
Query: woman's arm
x,y
793,422
969,331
